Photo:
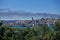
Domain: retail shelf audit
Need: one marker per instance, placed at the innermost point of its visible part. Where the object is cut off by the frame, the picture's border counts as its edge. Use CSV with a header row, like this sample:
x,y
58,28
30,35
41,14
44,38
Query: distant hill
x,y
8,12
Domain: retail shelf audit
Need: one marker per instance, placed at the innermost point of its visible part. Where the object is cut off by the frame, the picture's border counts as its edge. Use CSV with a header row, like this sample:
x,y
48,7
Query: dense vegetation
x,y
42,32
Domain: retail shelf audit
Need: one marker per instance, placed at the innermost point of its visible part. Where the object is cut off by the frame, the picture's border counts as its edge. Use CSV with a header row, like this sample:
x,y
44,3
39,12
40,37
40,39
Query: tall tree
x,y
1,22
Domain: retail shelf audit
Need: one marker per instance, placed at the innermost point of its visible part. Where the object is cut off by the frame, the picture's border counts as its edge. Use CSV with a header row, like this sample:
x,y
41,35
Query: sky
x,y
49,6
35,6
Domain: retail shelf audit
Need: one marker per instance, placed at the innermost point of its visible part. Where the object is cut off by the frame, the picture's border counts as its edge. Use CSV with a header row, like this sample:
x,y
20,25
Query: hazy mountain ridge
x,y
8,12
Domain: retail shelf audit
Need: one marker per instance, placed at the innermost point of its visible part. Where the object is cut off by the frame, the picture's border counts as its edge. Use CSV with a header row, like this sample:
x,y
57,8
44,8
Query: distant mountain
x,y
8,12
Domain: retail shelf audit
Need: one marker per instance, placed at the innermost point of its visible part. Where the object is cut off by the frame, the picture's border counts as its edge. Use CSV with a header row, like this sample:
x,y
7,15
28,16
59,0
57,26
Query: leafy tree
x,y
1,22
57,25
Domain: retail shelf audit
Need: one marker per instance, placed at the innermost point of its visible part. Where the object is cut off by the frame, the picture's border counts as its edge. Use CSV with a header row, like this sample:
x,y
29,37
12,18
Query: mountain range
x,y
8,12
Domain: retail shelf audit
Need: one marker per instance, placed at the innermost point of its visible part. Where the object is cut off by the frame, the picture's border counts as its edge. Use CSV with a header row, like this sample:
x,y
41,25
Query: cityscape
x,y
29,19
33,22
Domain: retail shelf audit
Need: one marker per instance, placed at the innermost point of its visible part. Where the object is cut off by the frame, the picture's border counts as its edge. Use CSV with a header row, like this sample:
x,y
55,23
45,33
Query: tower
x,y
32,18
32,21
59,18
52,19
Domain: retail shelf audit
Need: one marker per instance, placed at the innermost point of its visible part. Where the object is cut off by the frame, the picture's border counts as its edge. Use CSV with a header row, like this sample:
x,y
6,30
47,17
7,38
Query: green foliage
x,y
1,22
57,25
42,32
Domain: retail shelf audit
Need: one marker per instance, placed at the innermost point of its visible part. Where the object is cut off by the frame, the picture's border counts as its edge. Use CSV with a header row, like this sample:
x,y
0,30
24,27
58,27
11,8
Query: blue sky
x,y
42,6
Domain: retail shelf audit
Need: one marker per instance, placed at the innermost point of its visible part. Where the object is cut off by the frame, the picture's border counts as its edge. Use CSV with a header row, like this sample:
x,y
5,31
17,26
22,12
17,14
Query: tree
x,y
57,25
1,22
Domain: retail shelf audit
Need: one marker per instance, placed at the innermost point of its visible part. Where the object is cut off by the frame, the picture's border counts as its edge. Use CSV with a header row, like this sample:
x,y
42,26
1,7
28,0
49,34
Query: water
x,y
17,17
50,26
21,27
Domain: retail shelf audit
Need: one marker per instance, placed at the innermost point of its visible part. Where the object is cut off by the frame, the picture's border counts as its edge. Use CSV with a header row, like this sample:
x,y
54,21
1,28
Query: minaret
x,y
32,21
52,18
59,18
32,18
